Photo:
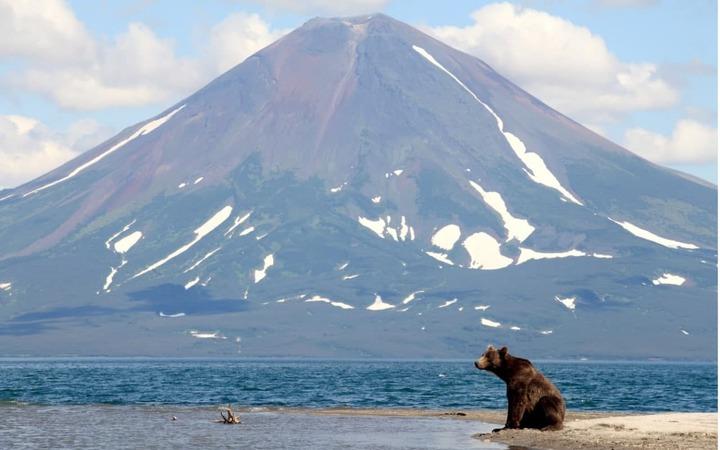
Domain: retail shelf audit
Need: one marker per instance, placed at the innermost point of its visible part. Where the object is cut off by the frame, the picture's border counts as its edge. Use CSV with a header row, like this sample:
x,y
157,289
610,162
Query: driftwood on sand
x,y
231,418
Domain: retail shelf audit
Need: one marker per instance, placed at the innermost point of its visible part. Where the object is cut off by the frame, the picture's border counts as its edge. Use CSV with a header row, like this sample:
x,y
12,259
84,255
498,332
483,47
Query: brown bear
x,y
533,401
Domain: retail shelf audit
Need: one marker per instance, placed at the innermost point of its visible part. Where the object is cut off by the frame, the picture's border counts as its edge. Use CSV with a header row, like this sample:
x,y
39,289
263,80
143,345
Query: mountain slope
x,y
359,189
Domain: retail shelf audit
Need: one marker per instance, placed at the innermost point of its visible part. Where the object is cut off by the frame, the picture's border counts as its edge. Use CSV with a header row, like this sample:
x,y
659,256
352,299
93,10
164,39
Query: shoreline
x,y
314,359
583,430
661,431
493,416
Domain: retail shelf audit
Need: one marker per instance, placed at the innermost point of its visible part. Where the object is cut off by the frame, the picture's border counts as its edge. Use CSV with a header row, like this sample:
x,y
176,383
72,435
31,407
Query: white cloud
x,y
564,64
44,29
137,68
691,142
625,3
85,134
238,36
52,54
134,68
28,148
344,7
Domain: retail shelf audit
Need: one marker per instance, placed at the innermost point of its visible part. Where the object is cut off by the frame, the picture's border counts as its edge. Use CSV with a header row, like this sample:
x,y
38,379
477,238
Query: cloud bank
x,y
28,148
563,64
691,142
327,7
52,54
63,62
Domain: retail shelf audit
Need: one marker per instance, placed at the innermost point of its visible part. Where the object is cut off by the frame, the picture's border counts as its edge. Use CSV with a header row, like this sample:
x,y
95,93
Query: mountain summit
x,y
359,189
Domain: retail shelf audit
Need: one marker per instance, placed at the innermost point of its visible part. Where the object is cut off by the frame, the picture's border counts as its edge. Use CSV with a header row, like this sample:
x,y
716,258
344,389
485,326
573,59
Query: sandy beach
x,y
584,430
656,431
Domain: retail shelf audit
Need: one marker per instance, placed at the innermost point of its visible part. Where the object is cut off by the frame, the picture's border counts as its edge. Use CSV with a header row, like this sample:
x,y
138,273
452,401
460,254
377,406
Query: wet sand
x,y
109,426
480,415
80,427
583,430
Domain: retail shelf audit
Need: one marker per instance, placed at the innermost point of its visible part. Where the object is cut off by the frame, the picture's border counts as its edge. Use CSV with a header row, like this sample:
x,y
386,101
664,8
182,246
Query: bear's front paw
x,y
496,430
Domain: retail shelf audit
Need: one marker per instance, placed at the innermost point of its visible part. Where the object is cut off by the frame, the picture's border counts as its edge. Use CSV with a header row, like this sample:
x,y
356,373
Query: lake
x,y
123,403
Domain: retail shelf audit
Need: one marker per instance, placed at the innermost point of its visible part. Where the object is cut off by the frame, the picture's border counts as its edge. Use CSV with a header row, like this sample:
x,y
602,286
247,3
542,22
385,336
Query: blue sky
x,y
641,72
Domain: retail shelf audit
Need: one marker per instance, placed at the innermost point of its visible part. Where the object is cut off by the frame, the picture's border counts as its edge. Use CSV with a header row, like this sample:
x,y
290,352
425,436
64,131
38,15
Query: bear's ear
x,y
490,347
503,352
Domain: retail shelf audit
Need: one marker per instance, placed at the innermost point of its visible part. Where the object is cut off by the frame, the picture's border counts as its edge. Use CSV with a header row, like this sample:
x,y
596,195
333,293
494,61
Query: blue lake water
x,y
589,386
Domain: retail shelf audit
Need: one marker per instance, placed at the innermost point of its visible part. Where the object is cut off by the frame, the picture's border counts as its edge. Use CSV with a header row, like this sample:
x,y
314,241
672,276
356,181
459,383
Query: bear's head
x,y
492,359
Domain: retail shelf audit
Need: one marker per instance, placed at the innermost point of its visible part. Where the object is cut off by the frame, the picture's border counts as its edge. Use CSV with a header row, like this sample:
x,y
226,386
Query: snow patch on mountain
x,y
392,232
145,129
527,254
206,334
114,236
652,237
237,222
192,283
396,172
201,260
536,168
446,237
125,244
404,229
379,304
411,297
484,252
317,298
246,231
382,227
448,303
268,262
669,278
516,228
489,323
442,257
121,247
109,278
376,226
568,302
203,230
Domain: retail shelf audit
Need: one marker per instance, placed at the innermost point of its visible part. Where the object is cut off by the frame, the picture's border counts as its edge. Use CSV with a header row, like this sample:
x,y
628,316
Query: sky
x,y
73,73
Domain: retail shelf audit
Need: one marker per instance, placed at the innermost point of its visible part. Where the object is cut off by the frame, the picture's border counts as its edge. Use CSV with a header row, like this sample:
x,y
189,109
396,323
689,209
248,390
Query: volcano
x,y
359,189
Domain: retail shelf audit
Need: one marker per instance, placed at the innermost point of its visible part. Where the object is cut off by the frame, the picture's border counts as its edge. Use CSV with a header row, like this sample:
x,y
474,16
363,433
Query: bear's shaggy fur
x,y
533,401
